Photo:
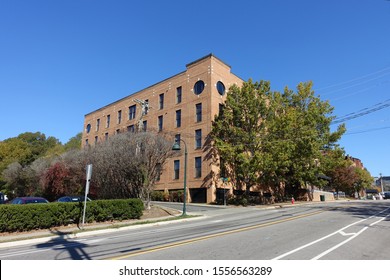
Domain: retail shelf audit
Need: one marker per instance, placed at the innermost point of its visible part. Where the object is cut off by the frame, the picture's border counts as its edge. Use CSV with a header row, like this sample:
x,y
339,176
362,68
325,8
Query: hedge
x,y
47,215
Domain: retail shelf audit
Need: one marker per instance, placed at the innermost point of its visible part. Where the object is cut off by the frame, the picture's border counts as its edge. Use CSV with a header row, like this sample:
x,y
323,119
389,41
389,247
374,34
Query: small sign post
x,y
89,175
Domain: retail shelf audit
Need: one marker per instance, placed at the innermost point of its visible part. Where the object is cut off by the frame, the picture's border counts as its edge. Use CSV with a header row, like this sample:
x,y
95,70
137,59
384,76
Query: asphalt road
x,y
335,231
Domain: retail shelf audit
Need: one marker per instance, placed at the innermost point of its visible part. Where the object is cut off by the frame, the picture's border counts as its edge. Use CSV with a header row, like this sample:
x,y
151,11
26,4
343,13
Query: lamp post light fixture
x,y
176,147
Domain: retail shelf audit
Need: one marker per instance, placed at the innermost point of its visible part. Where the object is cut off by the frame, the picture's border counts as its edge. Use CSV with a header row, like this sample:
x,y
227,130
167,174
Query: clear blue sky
x,y
60,60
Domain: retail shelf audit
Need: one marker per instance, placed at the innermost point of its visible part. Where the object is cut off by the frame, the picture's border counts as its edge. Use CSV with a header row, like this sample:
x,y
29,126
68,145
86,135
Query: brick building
x,y
183,105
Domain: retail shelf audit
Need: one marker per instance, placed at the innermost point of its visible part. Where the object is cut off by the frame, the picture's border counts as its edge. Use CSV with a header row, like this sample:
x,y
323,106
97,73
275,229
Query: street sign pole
x,y
89,175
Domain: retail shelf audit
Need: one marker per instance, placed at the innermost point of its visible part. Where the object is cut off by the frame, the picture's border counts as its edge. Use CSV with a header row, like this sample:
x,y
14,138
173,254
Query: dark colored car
x,y
386,195
28,200
72,198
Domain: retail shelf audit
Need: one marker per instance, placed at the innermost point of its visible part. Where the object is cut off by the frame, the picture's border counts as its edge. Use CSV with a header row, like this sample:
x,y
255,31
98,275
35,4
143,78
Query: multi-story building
x,y
383,182
185,106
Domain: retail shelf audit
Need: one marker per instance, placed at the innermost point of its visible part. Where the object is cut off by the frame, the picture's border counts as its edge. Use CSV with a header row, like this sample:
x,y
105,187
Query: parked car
x,y
72,198
28,200
2,198
386,195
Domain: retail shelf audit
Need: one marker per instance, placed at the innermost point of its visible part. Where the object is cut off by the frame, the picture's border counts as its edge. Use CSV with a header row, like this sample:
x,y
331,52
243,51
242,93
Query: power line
x,y
363,112
386,69
368,130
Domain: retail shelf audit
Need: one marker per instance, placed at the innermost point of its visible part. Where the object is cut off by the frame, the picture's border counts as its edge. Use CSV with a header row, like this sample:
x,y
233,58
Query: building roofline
x,y
180,73
134,93
206,57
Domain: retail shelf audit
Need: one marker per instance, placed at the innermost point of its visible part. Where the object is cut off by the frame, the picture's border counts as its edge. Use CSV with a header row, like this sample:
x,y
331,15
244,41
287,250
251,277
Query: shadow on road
x,y
75,249
378,208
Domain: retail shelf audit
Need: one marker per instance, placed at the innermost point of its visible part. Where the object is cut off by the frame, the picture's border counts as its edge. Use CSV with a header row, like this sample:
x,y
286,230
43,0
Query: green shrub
x,y
42,216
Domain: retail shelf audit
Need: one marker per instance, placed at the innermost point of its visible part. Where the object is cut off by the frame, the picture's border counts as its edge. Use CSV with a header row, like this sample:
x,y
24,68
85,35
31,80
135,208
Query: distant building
x,y
185,106
356,162
385,181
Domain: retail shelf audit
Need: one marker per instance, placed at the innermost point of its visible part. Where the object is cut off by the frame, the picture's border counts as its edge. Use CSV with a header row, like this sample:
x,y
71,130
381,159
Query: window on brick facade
x,y
221,88
108,121
130,128
132,112
177,139
97,124
119,116
198,139
159,169
178,118
198,87
198,112
176,169
147,107
178,94
198,167
145,125
160,123
88,128
161,101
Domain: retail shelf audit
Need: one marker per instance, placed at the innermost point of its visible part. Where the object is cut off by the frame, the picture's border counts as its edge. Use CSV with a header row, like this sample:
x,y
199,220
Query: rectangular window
x,y
177,139
147,107
130,128
158,171
119,116
108,121
198,139
117,131
178,95
221,108
97,124
86,143
145,125
161,101
106,136
160,123
198,167
96,139
132,112
176,169
199,112
178,118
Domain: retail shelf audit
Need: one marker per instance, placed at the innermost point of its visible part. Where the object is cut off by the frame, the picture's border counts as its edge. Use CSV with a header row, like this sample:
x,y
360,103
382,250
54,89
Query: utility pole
x,y
144,110
380,174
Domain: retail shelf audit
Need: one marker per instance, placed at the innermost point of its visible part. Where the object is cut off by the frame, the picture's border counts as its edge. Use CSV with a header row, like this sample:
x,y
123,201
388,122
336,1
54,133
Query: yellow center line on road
x,y
197,239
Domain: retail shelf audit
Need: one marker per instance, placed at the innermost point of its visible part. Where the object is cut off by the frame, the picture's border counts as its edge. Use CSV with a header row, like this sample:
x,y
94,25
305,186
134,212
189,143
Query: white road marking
x,y
346,234
340,231
339,245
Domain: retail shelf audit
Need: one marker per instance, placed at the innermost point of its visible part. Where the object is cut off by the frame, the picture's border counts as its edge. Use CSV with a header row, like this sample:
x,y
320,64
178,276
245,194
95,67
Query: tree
x,y
364,180
298,134
74,142
238,132
128,164
154,151
274,139
26,149
66,175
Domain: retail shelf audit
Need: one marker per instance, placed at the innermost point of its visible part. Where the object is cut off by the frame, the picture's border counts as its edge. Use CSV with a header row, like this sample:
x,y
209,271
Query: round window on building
x,y
199,87
88,128
221,88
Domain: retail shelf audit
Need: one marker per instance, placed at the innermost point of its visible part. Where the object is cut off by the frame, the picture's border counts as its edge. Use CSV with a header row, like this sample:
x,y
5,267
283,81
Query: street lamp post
x,y
176,147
